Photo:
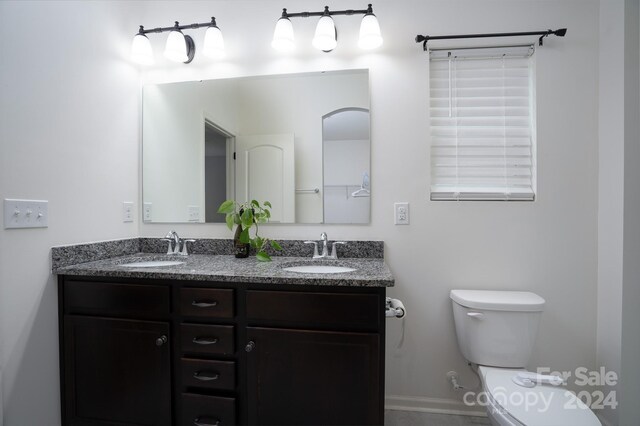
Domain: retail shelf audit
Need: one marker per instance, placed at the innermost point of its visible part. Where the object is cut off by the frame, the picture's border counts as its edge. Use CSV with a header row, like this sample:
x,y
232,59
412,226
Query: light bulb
x,y
283,40
176,47
325,37
214,43
370,37
141,52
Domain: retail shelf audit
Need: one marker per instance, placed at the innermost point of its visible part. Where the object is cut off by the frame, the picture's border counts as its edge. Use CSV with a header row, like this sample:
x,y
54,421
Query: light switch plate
x,y
146,212
127,211
401,213
26,213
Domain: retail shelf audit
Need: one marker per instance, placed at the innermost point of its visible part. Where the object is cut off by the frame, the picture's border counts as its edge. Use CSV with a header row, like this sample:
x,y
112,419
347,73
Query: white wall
x,y
82,150
630,336
548,246
68,134
618,337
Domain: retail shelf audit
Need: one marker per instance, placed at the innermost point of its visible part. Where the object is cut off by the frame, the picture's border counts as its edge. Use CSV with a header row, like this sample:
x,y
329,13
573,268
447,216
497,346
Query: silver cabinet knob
x,y
161,340
250,346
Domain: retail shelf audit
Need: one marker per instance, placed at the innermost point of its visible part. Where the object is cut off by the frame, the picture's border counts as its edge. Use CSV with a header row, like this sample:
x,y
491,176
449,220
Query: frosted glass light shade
x,y
370,36
176,47
325,37
141,52
283,40
214,43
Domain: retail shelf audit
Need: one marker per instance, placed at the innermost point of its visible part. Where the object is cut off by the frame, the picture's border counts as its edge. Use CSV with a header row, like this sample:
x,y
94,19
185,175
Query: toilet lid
x,y
542,405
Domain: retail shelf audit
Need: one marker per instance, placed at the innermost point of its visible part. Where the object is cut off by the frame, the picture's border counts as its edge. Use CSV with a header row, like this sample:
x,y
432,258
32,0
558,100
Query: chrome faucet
x,y
174,240
325,250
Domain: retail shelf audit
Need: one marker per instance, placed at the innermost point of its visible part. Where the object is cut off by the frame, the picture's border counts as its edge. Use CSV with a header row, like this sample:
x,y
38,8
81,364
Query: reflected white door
x,y
265,171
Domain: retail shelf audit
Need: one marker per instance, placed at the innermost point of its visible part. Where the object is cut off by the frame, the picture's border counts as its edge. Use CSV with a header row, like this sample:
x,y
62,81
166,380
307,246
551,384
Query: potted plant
x,y
247,216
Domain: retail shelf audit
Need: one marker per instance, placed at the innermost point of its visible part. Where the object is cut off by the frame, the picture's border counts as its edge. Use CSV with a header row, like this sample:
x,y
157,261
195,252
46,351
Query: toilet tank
x,y
496,328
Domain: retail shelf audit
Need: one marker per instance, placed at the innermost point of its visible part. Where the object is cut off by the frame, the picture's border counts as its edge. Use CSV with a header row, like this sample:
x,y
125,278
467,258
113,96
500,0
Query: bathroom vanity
x,y
221,341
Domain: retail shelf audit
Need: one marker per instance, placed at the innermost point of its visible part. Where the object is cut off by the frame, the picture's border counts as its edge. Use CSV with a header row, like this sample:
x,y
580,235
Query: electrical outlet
x,y
127,211
146,212
25,213
401,213
194,213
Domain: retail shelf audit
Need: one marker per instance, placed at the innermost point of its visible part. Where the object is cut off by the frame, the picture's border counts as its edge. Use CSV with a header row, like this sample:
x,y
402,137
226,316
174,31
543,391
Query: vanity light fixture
x,y
179,47
326,35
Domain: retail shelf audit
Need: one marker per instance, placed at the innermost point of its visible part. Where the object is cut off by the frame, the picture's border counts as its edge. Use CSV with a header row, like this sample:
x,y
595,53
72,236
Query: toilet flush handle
x,y
477,315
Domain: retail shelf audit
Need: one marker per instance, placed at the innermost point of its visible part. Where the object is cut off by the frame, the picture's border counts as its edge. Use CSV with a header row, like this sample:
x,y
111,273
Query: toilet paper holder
x,y
394,308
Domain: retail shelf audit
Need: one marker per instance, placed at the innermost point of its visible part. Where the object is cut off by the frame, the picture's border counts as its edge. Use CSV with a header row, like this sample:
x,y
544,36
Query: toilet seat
x,y
543,405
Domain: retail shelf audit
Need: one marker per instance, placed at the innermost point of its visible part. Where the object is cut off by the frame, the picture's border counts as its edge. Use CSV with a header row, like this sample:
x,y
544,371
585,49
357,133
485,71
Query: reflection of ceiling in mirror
x,y
346,125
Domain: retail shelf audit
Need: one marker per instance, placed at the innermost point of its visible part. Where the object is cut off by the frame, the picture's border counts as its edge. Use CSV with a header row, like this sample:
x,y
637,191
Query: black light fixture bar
x,y
559,32
177,26
327,12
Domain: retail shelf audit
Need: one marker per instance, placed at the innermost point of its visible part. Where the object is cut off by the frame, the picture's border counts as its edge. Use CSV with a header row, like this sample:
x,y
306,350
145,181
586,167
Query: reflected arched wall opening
x,y
346,159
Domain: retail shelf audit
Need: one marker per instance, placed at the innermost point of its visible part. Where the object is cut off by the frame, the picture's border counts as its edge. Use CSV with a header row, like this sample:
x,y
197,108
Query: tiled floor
x,y
415,418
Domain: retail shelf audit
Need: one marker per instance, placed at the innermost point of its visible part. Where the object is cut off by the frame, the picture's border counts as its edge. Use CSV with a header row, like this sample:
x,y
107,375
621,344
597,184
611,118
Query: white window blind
x,y
482,124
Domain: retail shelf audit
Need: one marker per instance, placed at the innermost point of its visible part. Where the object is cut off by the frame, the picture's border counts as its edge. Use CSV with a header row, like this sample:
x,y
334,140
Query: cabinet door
x,y
116,371
305,377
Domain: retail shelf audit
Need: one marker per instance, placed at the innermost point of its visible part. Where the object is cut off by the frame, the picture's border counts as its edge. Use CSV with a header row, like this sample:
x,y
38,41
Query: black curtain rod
x,y
424,39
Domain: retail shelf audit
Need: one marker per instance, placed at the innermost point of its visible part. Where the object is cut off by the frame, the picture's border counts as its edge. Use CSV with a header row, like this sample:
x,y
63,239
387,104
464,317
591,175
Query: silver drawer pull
x,y
206,376
204,304
198,422
205,340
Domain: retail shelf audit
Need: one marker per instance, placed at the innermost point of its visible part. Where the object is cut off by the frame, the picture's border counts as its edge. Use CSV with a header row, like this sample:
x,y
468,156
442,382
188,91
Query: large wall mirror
x,y
299,141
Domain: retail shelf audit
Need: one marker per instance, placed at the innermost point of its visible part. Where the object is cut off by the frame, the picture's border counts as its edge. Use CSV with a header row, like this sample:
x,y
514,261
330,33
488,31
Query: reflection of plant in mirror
x,y
248,215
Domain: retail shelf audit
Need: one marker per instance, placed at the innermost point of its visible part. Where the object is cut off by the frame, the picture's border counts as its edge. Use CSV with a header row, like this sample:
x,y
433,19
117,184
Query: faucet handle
x,y
169,240
184,251
315,248
334,253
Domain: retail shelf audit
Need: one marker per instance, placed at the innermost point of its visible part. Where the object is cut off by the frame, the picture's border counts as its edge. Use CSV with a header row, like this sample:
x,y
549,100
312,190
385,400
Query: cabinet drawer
x,y
207,339
207,410
208,374
116,299
206,302
313,309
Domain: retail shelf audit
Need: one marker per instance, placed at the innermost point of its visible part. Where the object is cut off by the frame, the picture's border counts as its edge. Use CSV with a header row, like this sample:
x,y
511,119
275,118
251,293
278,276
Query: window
x,y
482,124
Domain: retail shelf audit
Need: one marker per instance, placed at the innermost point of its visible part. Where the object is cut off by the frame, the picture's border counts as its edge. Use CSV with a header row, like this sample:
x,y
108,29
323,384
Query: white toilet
x,y
497,330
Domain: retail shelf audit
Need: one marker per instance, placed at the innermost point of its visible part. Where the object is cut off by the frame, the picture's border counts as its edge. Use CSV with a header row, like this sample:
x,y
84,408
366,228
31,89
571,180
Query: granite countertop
x,y
370,272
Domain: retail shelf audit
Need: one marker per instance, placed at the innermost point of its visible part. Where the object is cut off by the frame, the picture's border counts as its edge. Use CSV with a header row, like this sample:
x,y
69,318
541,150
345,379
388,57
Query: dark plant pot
x,y
241,249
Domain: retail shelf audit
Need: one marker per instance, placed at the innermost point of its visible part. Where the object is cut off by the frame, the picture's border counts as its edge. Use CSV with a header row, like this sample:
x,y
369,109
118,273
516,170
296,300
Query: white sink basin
x,y
152,264
319,269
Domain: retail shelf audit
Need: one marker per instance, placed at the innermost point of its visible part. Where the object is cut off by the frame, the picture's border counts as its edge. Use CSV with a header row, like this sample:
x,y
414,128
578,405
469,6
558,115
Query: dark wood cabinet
x,y
116,371
313,377
156,352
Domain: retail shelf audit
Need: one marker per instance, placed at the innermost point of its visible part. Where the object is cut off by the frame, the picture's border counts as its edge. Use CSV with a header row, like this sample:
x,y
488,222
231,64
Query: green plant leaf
x,y
262,256
268,204
236,219
244,236
267,213
230,220
276,245
247,218
255,203
227,207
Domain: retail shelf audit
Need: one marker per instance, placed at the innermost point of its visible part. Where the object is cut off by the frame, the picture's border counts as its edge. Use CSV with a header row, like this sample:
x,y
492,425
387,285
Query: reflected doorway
x,y
218,170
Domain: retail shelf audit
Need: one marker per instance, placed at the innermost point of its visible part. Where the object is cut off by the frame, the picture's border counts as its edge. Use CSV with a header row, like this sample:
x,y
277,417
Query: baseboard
x,y
432,405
